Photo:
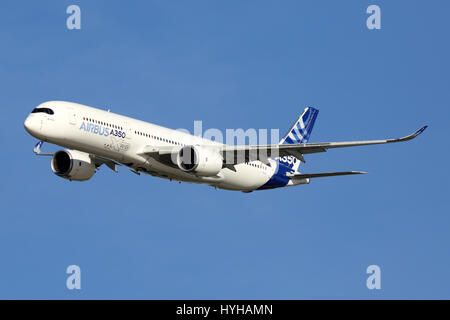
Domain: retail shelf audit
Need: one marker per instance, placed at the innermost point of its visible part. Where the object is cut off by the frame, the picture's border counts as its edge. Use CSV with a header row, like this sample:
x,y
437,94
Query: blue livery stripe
x,y
300,132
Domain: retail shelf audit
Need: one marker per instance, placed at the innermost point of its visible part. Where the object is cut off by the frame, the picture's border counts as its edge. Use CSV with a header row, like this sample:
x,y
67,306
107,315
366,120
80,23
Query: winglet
x,y
421,130
415,134
411,136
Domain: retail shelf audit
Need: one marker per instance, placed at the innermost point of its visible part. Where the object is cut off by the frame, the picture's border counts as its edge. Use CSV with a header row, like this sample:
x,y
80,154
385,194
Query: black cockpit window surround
x,y
45,110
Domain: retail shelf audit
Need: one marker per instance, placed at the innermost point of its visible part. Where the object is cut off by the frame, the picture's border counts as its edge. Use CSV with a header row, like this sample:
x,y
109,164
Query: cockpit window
x,y
46,110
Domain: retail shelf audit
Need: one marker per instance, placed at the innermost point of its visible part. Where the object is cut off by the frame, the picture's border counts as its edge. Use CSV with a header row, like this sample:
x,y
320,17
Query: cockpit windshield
x,y
45,110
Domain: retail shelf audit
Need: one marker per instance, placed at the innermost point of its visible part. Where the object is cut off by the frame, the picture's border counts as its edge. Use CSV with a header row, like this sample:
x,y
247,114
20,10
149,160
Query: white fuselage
x,y
119,138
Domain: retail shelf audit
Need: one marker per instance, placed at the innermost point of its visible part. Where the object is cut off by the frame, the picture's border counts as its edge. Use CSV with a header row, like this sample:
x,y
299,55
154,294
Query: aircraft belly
x,y
245,178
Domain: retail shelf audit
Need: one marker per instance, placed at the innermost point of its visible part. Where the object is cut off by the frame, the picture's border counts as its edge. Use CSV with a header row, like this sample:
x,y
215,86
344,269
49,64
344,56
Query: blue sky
x,y
231,64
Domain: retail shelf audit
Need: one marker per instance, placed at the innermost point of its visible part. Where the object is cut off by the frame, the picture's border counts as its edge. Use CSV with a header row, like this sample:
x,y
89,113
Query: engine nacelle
x,y
73,165
202,161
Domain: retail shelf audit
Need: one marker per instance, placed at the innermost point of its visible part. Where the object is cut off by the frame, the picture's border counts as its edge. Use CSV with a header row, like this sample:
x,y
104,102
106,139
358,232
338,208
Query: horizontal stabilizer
x,y
324,174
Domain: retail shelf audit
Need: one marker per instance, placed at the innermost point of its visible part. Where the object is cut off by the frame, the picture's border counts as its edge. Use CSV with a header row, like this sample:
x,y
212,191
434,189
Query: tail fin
x,y
301,130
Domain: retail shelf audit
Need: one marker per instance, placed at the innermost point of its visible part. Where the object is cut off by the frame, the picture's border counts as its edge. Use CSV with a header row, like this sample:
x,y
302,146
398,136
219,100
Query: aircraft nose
x,y
31,125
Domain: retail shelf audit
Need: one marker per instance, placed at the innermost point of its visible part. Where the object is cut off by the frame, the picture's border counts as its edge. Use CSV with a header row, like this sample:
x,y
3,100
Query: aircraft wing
x,y
163,154
243,153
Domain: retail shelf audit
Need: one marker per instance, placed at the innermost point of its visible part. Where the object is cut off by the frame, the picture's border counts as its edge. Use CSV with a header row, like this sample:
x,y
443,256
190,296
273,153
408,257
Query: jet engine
x,y
199,160
73,165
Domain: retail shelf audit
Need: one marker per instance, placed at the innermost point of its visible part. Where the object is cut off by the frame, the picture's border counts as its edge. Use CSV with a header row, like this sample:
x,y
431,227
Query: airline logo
x,y
101,130
302,129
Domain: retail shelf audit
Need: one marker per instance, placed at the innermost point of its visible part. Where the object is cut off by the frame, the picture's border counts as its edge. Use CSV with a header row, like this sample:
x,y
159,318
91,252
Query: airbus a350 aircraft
x,y
93,137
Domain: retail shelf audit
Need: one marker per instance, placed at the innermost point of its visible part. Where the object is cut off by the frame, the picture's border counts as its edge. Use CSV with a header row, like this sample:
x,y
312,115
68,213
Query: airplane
x,y
93,137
